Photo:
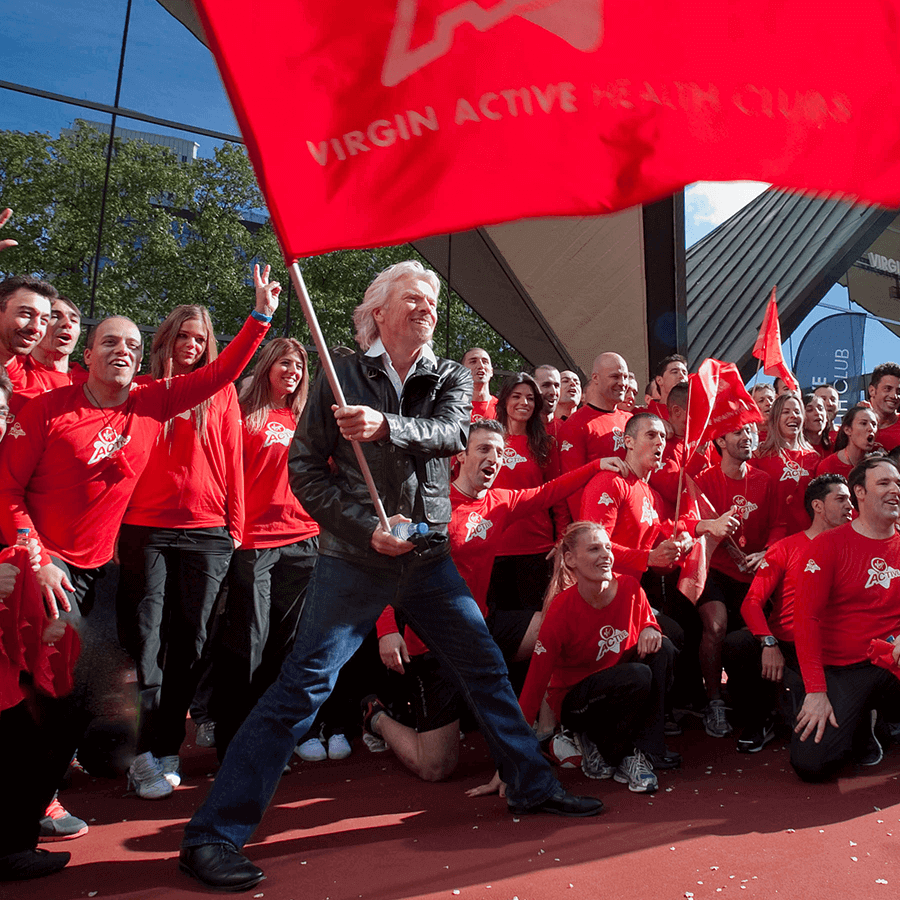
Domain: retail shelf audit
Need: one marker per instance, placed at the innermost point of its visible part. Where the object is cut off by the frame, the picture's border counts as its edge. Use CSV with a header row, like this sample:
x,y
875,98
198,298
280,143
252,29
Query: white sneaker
x,y
312,750
145,777
171,769
338,747
374,744
637,772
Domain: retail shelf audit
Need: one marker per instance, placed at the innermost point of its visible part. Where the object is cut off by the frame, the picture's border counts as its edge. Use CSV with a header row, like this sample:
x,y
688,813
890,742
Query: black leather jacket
x,y
411,468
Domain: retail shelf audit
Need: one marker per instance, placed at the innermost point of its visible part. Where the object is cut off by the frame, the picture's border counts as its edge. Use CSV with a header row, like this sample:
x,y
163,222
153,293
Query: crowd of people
x,y
545,602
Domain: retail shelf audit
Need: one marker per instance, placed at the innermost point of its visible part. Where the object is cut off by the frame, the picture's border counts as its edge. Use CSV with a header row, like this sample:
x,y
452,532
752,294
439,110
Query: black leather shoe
x,y
219,867
562,803
31,864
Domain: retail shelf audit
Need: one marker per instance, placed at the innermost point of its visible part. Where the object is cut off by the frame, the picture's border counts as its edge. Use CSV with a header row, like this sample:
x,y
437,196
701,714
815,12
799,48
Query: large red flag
x,y
377,121
718,403
768,347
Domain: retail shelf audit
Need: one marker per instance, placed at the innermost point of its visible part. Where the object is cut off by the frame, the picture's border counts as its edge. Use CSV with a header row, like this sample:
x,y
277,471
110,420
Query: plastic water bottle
x,y
407,530
22,535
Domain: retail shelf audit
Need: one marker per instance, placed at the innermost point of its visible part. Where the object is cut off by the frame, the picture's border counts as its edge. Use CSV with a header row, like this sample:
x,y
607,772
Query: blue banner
x,y
831,352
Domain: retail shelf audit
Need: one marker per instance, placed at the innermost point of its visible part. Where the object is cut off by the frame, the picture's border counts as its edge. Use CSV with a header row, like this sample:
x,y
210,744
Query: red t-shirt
x,y
519,469
628,508
275,516
833,463
68,468
590,433
776,577
791,473
194,483
752,495
476,534
484,409
577,640
889,436
848,594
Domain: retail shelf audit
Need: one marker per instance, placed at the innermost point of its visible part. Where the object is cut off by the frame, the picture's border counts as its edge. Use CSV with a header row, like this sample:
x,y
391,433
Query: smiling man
x,y
25,311
58,344
884,395
410,411
848,595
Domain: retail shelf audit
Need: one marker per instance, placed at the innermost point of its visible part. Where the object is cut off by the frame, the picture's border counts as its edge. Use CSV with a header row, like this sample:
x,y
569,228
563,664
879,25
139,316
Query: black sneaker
x,y
755,738
668,760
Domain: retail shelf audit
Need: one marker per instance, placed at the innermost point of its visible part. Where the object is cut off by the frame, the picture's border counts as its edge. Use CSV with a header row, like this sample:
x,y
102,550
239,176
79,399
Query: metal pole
x,y
109,147
325,360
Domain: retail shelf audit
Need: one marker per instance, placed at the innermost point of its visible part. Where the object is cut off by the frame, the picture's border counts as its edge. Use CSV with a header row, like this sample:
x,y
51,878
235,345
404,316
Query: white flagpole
x,y
325,359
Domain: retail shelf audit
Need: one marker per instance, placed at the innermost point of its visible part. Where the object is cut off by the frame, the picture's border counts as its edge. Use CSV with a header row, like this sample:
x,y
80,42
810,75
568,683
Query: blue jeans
x,y
342,604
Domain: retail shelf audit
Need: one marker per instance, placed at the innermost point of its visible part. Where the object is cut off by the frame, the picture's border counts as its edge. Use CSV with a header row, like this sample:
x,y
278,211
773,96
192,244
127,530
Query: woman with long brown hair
x,y
269,573
184,520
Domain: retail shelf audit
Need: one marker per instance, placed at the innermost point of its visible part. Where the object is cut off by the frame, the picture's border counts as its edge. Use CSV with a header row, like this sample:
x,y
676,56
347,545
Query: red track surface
x,y
725,825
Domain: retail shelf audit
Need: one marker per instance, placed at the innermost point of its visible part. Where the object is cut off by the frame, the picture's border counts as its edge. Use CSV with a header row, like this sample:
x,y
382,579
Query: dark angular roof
x,y
801,243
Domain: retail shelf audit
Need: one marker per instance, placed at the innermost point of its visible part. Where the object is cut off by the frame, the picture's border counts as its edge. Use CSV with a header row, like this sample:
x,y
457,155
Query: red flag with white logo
x,y
695,568
768,347
718,403
377,121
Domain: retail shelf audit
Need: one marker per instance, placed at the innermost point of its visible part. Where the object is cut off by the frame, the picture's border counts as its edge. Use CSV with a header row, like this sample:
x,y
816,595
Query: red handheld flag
x,y
768,347
377,121
718,403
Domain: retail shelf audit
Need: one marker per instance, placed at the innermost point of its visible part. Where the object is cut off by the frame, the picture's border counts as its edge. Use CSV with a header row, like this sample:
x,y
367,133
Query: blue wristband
x,y
261,317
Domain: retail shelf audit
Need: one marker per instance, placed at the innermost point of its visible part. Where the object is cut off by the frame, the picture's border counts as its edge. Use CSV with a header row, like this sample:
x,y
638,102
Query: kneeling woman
x,y
605,660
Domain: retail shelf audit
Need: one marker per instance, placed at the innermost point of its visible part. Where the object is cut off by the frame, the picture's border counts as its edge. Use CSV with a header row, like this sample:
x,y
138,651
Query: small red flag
x,y
718,403
695,568
768,347
378,121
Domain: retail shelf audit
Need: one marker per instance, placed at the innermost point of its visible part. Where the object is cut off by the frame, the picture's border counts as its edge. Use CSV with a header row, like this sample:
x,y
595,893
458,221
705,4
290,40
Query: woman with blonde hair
x,y
790,461
183,522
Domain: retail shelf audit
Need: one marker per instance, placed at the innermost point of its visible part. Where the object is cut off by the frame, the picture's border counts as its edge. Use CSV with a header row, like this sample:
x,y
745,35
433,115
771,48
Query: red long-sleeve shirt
x,y
848,593
275,516
30,379
68,468
577,640
531,533
194,483
629,509
665,479
791,473
776,577
476,533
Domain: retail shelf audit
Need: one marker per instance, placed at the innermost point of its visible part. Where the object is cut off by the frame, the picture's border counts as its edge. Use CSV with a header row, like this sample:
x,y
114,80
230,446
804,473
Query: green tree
x,y
178,232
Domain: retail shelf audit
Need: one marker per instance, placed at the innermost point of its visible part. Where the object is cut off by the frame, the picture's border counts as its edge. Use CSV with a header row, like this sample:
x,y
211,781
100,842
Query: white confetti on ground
x,y
855,858
455,891
880,881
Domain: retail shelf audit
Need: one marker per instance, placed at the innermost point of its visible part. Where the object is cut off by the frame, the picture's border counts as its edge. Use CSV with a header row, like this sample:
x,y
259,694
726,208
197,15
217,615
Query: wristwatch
x,y
769,641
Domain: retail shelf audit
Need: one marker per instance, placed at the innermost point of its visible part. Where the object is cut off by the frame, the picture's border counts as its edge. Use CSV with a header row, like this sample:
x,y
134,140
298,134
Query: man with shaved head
x,y
598,428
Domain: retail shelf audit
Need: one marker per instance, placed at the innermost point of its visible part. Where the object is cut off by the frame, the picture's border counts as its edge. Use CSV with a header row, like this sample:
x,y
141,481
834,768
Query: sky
x,y
77,43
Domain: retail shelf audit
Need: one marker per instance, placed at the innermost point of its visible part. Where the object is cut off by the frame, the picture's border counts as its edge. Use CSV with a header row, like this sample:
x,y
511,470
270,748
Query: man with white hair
x,y
411,413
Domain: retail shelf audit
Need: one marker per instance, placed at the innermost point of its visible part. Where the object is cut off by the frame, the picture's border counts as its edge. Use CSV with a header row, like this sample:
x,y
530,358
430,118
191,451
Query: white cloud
x,y
712,202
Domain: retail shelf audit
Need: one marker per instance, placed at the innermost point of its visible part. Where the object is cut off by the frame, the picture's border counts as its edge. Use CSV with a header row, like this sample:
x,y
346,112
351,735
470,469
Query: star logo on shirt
x,y
511,459
743,507
811,566
539,648
276,433
605,500
476,527
881,573
610,640
109,442
17,430
618,437
764,565
648,513
565,446
793,471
